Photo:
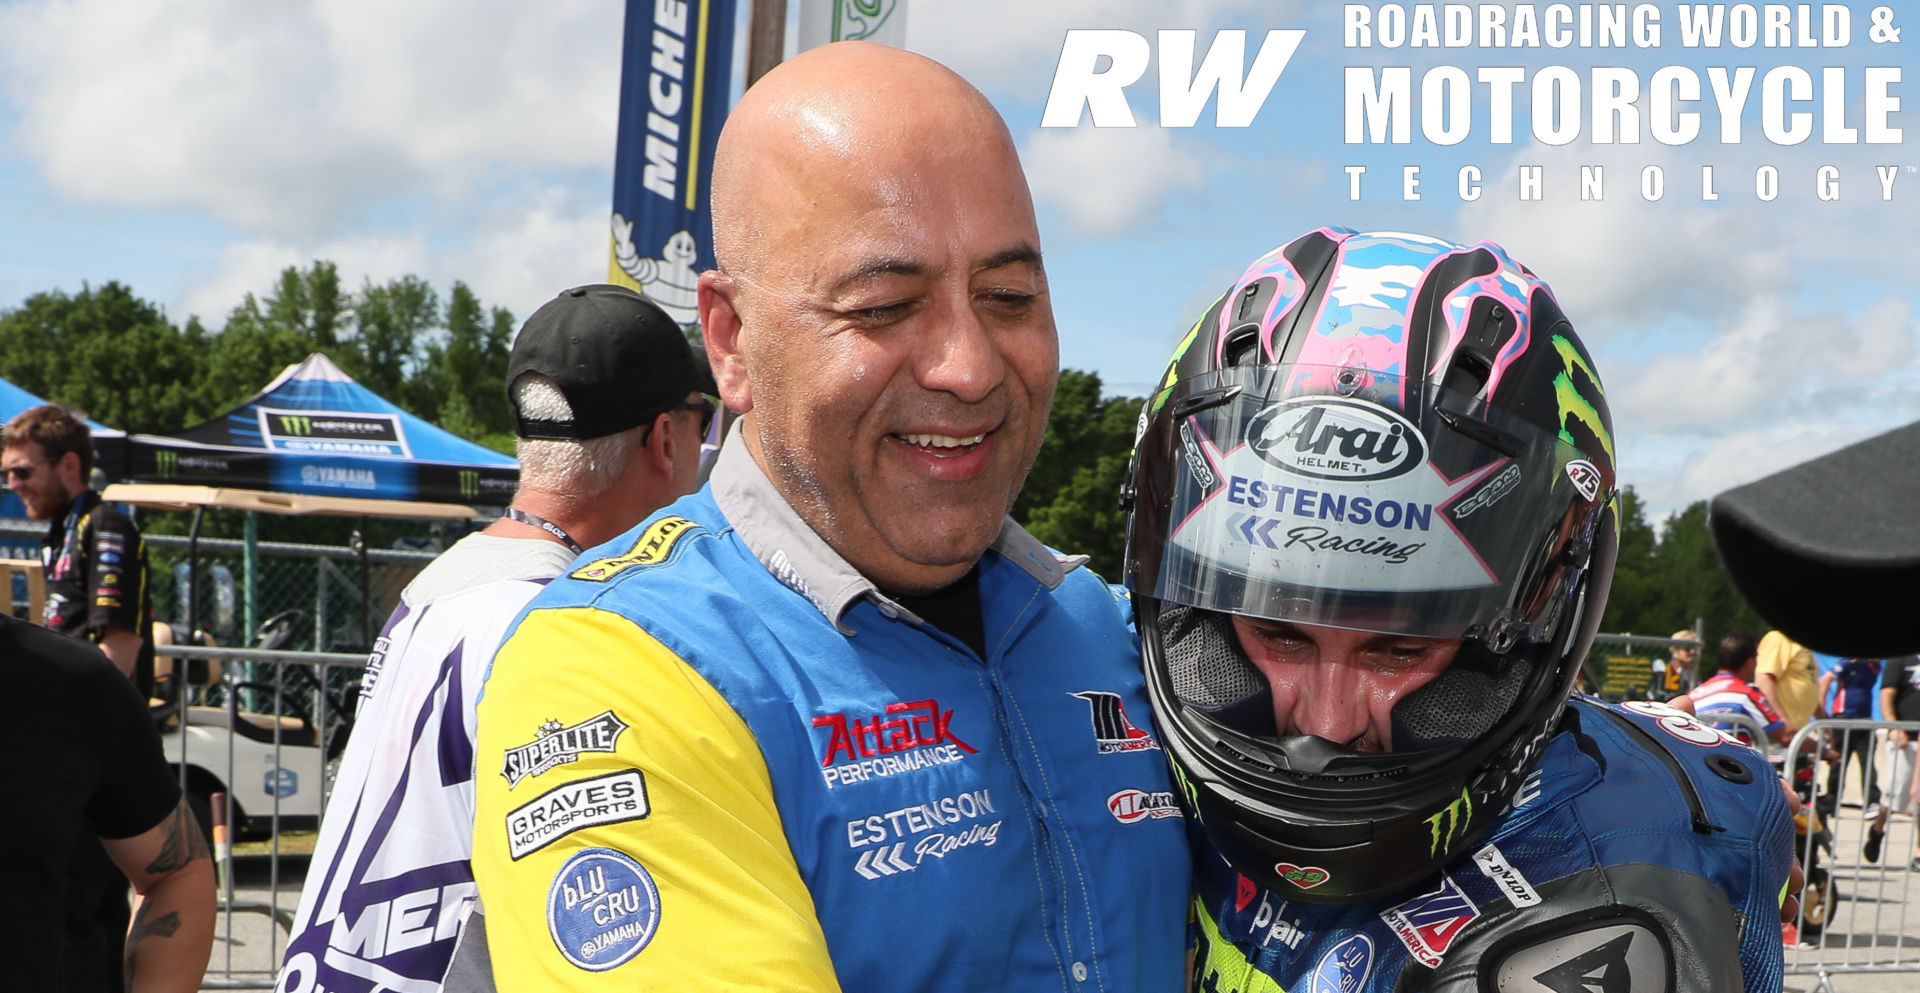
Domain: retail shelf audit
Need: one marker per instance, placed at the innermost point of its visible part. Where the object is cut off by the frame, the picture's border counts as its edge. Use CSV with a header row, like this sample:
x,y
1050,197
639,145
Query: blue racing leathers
x,y
1644,853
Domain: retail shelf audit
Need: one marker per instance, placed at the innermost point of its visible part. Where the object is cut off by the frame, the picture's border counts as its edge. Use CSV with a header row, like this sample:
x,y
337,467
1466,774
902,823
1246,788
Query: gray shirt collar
x,y
801,559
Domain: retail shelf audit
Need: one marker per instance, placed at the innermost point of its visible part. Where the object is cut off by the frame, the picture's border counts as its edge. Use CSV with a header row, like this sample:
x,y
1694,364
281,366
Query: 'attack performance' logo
x,y
909,735
1112,731
557,745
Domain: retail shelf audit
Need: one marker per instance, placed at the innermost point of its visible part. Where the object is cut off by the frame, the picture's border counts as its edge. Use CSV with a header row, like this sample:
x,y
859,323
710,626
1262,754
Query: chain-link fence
x,y
343,595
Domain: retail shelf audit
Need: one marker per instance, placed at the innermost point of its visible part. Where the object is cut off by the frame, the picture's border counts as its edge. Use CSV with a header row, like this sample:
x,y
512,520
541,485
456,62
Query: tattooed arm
x,y
172,875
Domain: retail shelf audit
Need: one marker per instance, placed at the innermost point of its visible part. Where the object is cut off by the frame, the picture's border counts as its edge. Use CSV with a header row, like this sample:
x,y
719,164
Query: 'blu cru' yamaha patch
x,y
1345,967
602,910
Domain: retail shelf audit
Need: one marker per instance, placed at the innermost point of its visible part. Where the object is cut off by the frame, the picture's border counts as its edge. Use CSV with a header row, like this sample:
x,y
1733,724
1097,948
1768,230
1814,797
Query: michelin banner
x,y
677,69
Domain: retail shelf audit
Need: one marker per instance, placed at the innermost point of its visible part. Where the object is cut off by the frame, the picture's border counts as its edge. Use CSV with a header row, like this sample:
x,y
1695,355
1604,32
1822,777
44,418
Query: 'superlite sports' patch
x,y
602,909
555,744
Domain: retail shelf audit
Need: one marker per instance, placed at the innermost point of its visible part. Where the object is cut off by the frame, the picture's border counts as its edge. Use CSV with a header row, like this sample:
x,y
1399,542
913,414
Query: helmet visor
x,y
1347,498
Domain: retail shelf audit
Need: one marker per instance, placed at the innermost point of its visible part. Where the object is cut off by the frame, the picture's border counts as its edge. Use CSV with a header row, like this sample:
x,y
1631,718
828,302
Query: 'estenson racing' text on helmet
x,y
1379,432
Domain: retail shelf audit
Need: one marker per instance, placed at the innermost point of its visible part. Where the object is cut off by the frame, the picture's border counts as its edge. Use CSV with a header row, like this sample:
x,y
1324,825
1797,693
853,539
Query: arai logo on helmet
x,y
1336,438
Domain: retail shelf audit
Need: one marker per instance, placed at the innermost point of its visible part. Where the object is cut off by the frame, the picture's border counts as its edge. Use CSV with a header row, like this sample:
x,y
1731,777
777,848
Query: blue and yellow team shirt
x,y
713,752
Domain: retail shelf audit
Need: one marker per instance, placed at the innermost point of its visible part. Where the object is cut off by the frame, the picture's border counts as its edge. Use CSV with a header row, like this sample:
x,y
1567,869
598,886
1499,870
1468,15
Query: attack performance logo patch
x,y
557,745
1428,923
909,736
602,909
1112,731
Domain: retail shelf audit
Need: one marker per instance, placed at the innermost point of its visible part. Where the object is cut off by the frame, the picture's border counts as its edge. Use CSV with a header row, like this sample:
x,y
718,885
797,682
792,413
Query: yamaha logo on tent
x,y
1336,438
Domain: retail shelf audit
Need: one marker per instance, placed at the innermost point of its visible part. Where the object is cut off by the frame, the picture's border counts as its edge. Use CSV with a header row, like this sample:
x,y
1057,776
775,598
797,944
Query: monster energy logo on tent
x,y
334,432
167,463
469,483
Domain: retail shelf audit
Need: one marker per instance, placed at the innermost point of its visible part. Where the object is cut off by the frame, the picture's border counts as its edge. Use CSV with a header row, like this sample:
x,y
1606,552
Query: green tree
x,y
392,328
464,378
108,353
1072,497
1637,590
300,316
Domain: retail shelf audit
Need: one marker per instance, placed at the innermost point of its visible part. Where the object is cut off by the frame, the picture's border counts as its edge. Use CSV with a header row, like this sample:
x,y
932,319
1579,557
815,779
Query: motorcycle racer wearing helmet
x,y
1374,521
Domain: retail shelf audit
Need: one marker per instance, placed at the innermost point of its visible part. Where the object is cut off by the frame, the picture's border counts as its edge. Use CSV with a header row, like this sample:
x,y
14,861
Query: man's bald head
x,y
881,318
852,112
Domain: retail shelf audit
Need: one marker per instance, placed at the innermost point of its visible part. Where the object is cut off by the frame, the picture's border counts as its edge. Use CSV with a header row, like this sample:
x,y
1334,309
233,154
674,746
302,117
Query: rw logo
x,y
167,463
1096,66
295,424
469,483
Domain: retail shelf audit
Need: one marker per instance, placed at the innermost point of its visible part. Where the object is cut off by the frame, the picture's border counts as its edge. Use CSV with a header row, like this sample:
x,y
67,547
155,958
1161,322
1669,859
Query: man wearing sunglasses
x,y
97,592
610,408
95,559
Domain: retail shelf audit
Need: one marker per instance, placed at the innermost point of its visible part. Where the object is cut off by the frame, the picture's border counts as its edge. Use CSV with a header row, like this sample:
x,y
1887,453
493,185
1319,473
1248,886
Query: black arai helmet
x,y
1379,432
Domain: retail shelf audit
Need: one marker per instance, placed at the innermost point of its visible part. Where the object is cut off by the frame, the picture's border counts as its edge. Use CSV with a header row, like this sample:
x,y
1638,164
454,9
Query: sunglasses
x,y
19,473
707,406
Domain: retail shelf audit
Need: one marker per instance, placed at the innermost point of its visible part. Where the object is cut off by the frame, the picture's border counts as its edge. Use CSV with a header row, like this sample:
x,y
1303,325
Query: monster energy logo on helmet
x,y
1448,820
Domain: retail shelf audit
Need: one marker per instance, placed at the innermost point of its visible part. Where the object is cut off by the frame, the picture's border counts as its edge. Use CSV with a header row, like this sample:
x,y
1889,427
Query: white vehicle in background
x,y
272,767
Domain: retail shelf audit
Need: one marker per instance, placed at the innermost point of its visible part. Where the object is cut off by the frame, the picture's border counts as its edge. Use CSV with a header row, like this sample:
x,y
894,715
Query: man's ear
x,y
68,466
720,329
660,450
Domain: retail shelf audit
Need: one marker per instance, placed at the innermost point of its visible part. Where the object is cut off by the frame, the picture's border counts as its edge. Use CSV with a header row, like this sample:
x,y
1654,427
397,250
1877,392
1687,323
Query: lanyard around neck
x,y
516,514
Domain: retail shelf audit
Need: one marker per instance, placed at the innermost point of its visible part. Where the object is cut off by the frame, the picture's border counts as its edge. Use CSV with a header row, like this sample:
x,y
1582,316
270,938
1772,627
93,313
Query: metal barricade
x,y
1858,915
265,749
1747,728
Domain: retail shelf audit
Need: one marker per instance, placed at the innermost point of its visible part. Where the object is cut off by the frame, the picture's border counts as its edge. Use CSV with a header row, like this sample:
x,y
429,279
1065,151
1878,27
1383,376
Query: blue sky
x,y
192,150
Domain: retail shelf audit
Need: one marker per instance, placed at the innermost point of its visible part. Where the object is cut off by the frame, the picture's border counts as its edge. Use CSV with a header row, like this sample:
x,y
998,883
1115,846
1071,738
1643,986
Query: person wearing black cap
x,y
609,404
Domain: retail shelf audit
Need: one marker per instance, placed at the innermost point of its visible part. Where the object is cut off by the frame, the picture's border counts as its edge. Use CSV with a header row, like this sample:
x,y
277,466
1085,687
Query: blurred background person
x,y
609,404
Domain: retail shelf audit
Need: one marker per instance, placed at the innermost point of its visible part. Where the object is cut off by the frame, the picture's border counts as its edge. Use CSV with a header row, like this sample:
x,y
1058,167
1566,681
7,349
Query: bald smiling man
x,y
835,721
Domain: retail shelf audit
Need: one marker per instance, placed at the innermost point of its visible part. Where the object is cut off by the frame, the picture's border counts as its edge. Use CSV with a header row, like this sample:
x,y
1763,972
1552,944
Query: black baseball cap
x,y
1827,551
616,356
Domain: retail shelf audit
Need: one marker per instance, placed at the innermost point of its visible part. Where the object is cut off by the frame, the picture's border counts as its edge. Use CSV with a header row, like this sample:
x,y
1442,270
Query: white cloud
x,y
1108,179
517,258
1768,364
1625,260
1673,478
294,119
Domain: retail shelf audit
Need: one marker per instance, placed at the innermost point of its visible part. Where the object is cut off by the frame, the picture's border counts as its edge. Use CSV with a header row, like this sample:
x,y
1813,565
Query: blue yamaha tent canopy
x,y
315,430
